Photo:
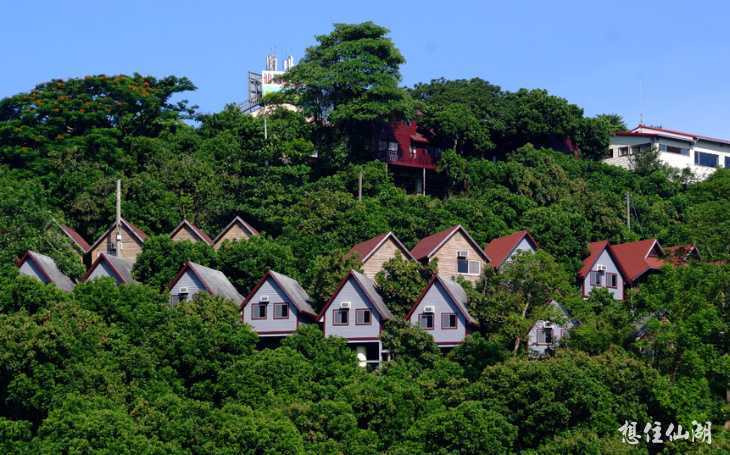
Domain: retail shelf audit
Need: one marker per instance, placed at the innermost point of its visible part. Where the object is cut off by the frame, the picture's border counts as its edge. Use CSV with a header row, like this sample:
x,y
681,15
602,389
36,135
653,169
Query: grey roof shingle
x,y
215,282
50,269
122,266
295,292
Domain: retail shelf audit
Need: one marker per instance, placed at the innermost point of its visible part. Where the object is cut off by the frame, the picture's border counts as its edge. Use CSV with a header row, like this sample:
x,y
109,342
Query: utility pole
x,y
266,131
628,210
423,182
359,187
118,223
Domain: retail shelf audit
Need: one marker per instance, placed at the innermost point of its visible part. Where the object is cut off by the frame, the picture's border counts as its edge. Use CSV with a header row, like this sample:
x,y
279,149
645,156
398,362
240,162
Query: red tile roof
x,y
75,237
595,249
368,247
429,245
500,248
196,230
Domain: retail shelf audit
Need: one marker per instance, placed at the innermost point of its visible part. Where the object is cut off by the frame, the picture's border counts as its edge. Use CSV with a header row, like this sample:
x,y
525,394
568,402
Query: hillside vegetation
x,y
116,370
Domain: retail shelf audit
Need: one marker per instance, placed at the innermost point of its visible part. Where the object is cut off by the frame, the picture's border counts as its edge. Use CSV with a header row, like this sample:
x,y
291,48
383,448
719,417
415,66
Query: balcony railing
x,y
418,158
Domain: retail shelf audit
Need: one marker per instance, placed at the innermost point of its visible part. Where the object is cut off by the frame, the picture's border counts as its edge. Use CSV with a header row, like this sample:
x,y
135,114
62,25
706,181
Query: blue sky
x,y
669,59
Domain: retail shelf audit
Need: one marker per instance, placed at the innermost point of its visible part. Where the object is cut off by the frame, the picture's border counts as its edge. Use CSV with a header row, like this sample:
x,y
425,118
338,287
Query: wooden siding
x,y
236,232
447,257
271,326
131,247
185,233
190,281
351,292
438,297
383,254
538,348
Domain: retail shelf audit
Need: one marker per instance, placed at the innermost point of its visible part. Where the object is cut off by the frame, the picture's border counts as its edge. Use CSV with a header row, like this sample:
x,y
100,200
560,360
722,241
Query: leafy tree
x,y
350,80
476,353
408,343
325,274
401,282
245,262
467,429
162,258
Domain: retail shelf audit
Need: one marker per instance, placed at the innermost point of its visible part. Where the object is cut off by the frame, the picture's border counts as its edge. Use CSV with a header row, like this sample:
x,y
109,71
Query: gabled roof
x,y
595,250
136,232
428,246
240,221
120,266
365,249
49,269
675,134
635,258
289,286
214,281
501,248
455,292
367,286
570,322
75,237
199,233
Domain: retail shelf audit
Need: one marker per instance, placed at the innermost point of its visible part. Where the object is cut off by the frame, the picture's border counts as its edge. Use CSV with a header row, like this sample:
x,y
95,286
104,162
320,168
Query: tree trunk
x,y
519,339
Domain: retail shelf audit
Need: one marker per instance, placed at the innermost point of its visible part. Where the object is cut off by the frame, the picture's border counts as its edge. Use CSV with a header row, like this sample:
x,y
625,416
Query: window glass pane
x,y
727,162
548,335
475,267
281,310
448,320
463,265
426,320
363,317
341,317
706,159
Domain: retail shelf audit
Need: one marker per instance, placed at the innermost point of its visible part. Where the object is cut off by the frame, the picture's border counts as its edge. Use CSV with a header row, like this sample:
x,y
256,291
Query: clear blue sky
x,y
598,55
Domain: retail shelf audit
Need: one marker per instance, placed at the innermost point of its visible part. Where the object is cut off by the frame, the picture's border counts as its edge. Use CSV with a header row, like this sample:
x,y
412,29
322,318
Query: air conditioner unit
x,y
183,290
462,254
345,305
264,298
547,324
429,309
601,268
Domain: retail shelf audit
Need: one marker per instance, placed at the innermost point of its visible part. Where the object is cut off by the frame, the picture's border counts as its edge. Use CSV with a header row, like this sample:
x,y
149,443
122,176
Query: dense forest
x,y
117,370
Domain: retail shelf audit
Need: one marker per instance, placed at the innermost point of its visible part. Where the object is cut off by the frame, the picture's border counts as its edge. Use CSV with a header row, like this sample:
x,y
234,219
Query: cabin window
x,y
673,149
707,159
281,311
466,267
392,146
425,321
612,280
547,335
341,316
448,320
595,278
623,151
177,298
727,162
363,317
112,249
258,310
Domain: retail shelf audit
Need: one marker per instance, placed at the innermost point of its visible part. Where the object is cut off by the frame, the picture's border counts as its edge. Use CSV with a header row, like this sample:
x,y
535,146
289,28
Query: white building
x,y
679,150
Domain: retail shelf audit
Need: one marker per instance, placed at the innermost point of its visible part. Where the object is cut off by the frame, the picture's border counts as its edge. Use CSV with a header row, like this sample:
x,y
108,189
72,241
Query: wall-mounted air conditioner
x,y
601,268
345,305
429,309
264,298
183,290
462,253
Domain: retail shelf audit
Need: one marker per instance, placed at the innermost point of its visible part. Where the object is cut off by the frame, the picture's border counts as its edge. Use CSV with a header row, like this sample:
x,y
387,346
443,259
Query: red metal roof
x,y
595,249
659,130
500,248
368,247
418,156
633,259
75,237
429,245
